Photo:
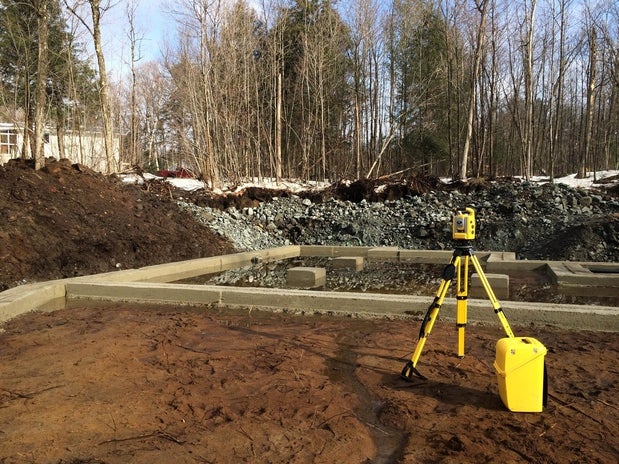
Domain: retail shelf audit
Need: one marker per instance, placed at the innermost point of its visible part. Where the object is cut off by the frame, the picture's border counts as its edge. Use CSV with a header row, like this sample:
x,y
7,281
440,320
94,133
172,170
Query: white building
x,y
83,146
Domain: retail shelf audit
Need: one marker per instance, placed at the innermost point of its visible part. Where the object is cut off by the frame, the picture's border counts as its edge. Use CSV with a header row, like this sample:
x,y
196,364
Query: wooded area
x,y
325,90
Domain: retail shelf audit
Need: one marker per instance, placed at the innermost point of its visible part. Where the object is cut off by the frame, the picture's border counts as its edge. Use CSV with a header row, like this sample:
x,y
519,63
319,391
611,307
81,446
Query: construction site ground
x,y
115,383
121,382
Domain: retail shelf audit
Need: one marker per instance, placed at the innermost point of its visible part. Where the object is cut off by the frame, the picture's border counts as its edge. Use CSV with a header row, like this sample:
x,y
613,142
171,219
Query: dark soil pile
x,y
66,220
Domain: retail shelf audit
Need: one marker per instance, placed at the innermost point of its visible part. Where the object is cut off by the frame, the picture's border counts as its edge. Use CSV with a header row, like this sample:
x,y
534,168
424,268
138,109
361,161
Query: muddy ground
x,y
134,384
120,384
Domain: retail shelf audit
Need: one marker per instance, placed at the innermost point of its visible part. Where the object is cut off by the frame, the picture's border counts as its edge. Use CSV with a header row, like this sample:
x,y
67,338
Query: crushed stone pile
x,y
547,221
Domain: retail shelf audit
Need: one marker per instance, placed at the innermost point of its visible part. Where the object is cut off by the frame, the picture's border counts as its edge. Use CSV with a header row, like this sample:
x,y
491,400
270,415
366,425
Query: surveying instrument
x,y
463,232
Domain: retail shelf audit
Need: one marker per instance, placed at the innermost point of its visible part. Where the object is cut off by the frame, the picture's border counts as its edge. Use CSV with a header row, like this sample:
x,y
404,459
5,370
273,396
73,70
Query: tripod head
x,y
463,225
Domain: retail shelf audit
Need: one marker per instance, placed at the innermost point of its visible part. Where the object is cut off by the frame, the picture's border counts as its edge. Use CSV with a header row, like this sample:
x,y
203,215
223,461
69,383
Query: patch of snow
x,y
290,185
380,188
189,185
296,186
586,182
131,179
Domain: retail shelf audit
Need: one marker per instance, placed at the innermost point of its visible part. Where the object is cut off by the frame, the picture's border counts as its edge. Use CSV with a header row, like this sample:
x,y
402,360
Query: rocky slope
x,y
549,221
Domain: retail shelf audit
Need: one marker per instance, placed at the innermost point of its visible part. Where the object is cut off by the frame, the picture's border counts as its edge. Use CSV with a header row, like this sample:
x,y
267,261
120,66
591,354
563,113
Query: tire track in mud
x,y
390,442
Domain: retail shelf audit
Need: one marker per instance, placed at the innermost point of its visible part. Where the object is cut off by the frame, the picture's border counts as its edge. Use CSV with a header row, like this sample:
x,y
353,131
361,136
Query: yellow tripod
x,y
459,268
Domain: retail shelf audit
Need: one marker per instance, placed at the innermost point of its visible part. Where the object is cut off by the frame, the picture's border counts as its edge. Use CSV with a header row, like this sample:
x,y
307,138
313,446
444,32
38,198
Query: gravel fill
x,y
549,221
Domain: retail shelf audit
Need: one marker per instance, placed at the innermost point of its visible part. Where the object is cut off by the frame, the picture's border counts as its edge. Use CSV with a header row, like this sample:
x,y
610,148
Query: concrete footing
x,y
498,282
356,263
306,277
155,284
601,279
346,304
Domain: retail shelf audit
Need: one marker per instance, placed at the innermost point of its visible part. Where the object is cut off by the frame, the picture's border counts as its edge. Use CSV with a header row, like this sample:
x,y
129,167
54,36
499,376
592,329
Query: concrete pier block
x,y
306,277
498,282
355,263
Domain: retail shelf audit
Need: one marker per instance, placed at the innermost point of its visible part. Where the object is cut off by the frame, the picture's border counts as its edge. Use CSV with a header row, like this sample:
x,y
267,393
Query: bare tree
x,y
97,10
199,27
492,73
556,122
41,97
521,98
610,41
590,100
527,58
135,56
152,97
367,83
481,6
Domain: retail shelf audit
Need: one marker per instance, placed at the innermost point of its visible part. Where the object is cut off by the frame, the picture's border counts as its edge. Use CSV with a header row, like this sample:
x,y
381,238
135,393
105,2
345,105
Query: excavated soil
x,y
149,384
118,384
66,221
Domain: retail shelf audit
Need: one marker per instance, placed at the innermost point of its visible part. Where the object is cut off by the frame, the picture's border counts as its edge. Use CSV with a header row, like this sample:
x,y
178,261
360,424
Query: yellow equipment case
x,y
521,373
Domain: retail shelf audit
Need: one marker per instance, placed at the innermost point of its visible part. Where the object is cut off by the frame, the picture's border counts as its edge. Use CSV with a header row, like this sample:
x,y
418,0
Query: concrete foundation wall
x,y
348,304
19,300
152,284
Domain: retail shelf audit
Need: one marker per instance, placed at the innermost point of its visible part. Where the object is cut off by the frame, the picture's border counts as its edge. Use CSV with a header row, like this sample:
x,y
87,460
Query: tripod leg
x,y
462,302
428,323
491,296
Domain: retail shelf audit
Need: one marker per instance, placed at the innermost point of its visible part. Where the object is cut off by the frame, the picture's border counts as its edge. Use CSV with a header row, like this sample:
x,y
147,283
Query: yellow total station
x,y
463,225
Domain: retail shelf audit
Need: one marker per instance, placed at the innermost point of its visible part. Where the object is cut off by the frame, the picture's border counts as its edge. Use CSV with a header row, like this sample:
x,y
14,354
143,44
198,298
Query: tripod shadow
x,y
449,395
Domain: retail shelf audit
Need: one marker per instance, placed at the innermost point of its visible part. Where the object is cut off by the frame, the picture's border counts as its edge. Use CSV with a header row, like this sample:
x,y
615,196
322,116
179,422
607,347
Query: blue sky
x,y
153,23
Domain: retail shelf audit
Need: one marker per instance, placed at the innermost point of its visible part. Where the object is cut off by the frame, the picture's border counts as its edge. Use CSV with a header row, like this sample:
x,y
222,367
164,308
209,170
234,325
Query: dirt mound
x,y
372,190
67,220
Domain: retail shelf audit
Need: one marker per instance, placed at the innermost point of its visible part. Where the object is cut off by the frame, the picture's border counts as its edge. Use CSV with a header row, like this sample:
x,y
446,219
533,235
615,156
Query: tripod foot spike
x,y
410,371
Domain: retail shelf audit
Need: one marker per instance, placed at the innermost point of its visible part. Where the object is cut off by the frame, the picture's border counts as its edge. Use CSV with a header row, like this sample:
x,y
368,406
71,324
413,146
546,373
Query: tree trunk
x,y
528,83
558,97
591,78
60,133
207,98
41,97
479,45
133,42
106,116
278,130
357,132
